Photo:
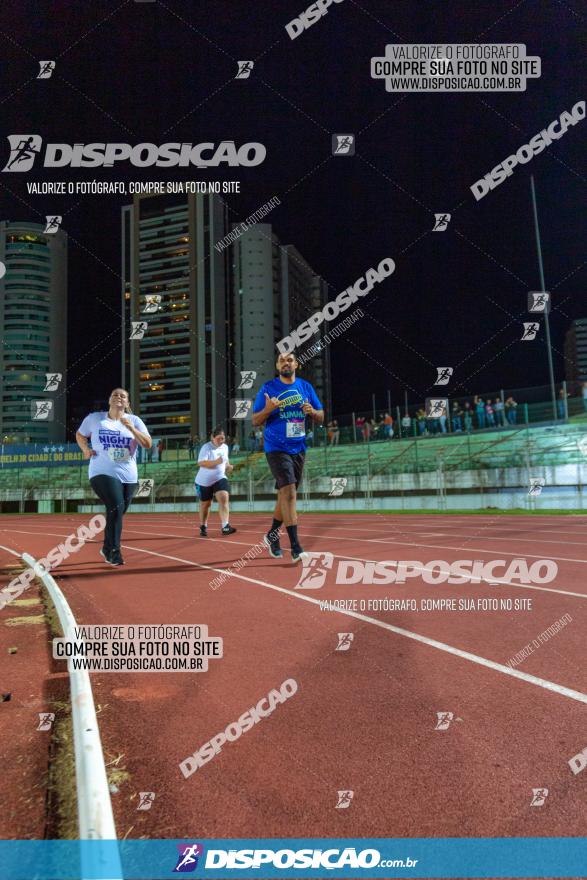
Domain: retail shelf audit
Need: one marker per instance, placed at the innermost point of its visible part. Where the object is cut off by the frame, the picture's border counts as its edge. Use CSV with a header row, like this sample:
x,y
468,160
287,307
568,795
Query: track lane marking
x,y
433,643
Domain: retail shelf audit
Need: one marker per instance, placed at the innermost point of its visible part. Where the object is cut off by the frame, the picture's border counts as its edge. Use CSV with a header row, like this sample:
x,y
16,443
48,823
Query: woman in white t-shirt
x,y
115,436
211,481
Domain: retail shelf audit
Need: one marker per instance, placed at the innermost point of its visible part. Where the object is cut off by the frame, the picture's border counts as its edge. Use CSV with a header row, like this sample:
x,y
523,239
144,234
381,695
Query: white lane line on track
x,y
486,550
432,643
336,555
495,582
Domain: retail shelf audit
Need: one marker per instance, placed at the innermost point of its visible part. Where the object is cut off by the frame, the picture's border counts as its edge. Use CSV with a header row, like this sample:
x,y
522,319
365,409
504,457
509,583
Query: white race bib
x,y
295,429
119,453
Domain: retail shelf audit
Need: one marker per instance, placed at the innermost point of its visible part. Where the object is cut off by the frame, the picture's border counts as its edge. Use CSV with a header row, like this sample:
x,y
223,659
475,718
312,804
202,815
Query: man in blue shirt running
x,y
282,405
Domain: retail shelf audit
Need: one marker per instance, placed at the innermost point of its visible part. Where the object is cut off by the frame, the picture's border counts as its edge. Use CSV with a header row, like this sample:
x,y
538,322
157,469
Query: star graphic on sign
x,y
61,449
53,449
45,449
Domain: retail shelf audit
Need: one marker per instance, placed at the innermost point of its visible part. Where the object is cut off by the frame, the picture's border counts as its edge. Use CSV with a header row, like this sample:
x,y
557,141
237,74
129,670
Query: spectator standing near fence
x,y
584,392
479,404
421,420
489,414
467,416
511,410
562,403
498,409
388,426
406,425
359,423
456,416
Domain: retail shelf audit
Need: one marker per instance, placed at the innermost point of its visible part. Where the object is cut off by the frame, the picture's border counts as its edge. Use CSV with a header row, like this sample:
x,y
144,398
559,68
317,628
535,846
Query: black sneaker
x,y
203,531
271,541
116,558
105,556
228,529
297,554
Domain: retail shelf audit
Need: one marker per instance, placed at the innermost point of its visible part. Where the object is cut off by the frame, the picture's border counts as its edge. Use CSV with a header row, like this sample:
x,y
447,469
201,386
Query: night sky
x,y
164,71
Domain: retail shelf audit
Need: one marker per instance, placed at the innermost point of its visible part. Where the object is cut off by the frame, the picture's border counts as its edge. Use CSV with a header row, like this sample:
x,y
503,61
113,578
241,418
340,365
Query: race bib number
x,y
119,454
295,429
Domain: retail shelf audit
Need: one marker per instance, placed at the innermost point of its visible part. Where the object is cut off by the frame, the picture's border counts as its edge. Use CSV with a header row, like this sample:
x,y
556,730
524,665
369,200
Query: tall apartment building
x,y
33,328
176,283
257,302
274,290
576,354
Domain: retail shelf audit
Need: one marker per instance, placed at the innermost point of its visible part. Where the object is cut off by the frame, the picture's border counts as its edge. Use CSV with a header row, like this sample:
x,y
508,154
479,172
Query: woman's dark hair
x,y
217,430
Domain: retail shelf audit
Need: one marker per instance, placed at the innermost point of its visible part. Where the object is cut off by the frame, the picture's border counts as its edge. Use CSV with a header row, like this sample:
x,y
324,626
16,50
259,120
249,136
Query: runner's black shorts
x,y
286,468
206,493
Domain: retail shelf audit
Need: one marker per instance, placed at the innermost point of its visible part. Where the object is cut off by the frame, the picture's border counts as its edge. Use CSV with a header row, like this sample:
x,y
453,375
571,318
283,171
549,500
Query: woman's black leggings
x,y
117,497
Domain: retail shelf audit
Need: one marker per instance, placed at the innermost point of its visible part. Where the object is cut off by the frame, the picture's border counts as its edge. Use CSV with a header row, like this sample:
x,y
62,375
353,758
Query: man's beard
x,y
286,371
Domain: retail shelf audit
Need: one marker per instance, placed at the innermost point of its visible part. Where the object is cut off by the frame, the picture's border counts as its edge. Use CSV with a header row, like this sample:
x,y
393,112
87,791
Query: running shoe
x,y
297,554
274,547
228,529
203,531
106,556
116,558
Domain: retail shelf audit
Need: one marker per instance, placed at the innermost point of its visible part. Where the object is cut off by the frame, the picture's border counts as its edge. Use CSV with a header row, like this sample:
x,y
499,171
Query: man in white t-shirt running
x,y
211,481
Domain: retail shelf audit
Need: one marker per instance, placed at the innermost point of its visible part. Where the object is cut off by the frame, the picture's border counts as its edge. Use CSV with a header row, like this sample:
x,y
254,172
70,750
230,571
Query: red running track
x,y
362,719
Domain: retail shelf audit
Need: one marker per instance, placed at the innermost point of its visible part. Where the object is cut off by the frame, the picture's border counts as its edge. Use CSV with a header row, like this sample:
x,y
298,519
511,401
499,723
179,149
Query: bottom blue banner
x,y
531,857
